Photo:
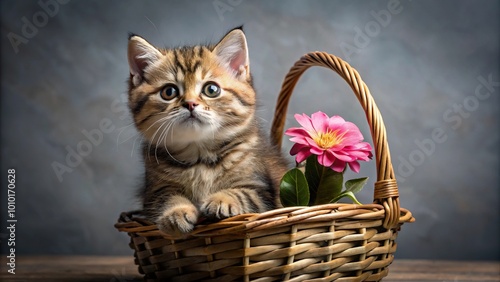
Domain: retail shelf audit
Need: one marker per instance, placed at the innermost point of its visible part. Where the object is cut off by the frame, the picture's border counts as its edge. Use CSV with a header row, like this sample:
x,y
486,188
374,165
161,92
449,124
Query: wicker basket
x,y
334,242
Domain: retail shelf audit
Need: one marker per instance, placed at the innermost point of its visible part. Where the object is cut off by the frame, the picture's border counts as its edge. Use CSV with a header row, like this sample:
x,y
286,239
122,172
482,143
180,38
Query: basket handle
x,y
386,188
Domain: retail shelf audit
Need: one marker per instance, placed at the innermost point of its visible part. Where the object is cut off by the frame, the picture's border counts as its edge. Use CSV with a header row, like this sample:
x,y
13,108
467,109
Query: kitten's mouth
x,y
192,118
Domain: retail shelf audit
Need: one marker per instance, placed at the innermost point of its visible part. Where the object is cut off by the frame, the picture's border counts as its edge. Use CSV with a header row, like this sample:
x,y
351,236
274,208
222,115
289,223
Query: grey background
x,y
70,76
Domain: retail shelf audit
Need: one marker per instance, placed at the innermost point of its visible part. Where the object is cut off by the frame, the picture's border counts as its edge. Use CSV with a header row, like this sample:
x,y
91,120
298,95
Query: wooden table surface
x,y
118,269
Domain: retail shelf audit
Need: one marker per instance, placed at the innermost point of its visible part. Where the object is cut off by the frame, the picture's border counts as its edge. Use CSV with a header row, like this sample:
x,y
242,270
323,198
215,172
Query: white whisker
x,y
158,120
172,140
133,144
164,131
165,142
154,136
121,131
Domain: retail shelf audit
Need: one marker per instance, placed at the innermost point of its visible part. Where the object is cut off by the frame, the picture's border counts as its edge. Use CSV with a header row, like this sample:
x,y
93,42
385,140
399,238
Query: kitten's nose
x,y
190,105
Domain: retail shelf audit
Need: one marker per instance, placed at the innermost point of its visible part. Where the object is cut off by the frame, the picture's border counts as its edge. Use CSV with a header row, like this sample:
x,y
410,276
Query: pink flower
x,y
335,141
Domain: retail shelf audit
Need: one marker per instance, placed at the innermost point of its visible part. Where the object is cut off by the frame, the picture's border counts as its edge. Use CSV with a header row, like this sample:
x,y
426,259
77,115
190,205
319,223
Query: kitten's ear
x,y
232,51
140,55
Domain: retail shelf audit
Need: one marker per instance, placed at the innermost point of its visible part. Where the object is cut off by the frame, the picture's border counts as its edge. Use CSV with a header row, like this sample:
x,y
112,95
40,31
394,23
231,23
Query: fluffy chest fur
x,y
208,173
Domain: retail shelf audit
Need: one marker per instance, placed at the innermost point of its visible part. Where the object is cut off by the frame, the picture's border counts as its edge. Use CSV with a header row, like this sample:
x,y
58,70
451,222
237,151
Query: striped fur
x,y
204,156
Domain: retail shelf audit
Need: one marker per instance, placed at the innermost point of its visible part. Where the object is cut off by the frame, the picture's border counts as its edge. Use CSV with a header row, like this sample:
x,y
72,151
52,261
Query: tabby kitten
x,y
204,152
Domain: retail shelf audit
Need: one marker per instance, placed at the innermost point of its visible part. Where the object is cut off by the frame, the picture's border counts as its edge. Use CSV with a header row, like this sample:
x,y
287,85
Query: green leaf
x,y
348,194
294,190
355,185
325,183
313,172
330,186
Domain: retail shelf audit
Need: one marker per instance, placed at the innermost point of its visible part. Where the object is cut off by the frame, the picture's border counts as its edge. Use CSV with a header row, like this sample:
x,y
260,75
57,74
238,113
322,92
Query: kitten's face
x,y
192,94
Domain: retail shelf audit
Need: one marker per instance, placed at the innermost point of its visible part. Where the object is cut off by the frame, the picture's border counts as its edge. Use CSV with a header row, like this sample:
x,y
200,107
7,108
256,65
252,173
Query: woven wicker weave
x,y
334,242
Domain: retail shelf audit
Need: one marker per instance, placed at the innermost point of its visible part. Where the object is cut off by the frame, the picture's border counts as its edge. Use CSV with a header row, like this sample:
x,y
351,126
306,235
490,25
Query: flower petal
x,y
296,131
354,166
361,151
365,146
335,122
320,121
299,140
351,134
350,126
359,155
302,155
312,142
296,148
326,159
343,156
337,147
305,121
338,165
316,150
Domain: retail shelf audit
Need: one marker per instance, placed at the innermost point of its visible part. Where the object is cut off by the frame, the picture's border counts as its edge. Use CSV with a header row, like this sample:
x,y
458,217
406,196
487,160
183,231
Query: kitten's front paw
x,y
178,220
221,205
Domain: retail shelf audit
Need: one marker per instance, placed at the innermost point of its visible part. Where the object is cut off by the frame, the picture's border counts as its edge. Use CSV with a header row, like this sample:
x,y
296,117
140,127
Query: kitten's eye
x,y
211,90
169,92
